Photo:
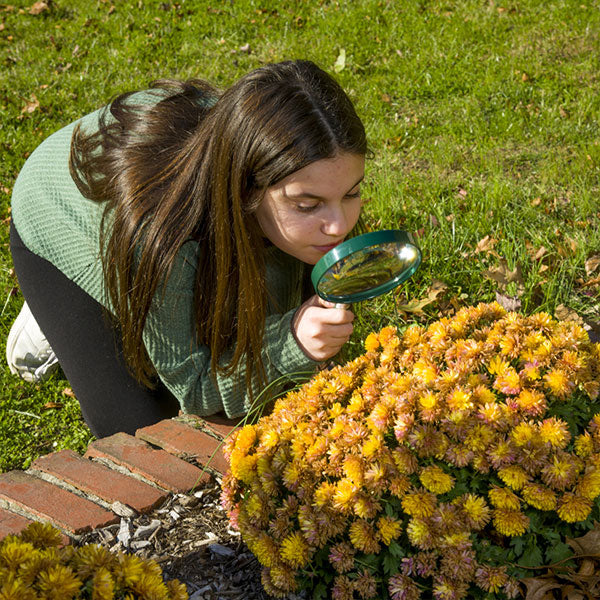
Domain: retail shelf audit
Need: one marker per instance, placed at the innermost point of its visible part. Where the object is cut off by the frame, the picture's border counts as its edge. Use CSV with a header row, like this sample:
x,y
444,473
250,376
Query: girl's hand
x,y
321,329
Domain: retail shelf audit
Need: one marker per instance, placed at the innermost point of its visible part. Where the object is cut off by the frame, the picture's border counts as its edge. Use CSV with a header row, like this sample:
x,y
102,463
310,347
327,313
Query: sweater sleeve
x,y
184,366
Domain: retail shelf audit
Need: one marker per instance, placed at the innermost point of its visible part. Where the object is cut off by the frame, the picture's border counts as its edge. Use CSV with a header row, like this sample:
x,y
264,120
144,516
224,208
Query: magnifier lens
x,y
366,266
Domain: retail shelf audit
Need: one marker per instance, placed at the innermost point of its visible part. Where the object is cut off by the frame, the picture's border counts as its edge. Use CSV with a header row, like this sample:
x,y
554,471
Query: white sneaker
x,y
28,352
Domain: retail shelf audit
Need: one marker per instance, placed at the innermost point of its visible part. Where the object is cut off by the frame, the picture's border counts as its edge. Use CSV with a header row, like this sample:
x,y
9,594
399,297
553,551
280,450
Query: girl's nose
x,y
336,223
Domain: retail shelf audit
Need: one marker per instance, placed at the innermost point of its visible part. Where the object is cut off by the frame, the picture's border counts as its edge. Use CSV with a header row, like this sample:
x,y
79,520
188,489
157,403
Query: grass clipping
x,y
447,462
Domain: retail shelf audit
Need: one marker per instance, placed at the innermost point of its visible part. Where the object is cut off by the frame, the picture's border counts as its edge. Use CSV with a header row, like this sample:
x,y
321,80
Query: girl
x,y
164,244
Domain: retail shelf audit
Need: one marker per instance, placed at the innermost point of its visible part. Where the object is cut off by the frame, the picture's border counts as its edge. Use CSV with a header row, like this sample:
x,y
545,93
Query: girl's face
x,y
312,210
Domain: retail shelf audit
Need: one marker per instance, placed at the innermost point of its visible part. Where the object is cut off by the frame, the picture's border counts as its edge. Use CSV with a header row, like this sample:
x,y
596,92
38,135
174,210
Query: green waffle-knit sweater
x,y
56,222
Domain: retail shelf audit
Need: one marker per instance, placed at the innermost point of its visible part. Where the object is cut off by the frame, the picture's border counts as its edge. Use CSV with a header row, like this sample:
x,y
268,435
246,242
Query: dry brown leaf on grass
x,y
486,244
591,264
504,276
510,303
50,405
68,392
416,306
31,106
38,8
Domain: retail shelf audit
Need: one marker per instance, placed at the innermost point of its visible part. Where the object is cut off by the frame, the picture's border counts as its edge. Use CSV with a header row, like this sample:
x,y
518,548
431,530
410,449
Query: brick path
x,y
76,493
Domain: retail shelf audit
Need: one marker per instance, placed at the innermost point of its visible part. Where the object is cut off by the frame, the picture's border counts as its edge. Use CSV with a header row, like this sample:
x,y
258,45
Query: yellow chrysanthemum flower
x,y
523,433
479,438
513,476
265,549
497,366
59,581
504,498
460,400
573,508
539,496
436,480
555,432
419,533
246,437
584,445
354,469
425,371
344,495
324,494
371,342
243,466
371,445
531,402
482,394
476,510
510,522
589,486
389,529
557,381
294,550
419,504
363,537
428,401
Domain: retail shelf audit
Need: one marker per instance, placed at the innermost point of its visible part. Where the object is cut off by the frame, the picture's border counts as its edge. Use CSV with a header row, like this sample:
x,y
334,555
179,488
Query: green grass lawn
x,y
483,117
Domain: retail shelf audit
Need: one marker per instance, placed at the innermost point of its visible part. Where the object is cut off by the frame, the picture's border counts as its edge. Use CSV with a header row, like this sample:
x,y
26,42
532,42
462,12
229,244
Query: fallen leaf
x,y
31,106
38,8
539,254
537,587
485,244
340,61
416,307
536,202
503,276
588,544
462,193
245,48
50,405
592,263
510,303
68,392
591,282
564,313
386,98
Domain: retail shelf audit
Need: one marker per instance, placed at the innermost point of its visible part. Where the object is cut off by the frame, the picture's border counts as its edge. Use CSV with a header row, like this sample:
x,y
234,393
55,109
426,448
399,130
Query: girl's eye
x,y
307,208
353,195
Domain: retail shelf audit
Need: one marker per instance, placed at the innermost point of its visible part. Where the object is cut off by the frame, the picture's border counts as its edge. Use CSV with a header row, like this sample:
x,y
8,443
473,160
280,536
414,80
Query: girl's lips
x,y
329,247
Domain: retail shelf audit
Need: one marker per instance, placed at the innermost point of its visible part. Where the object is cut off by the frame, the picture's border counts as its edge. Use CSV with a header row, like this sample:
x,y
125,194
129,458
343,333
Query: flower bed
x,y
440,463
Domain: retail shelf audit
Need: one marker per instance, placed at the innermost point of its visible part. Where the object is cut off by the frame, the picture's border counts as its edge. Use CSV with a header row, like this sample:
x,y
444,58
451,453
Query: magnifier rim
x,y
361,242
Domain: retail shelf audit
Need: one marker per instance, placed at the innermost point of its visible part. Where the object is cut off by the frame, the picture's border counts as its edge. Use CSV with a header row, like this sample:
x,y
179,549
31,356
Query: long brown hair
x,y
194,165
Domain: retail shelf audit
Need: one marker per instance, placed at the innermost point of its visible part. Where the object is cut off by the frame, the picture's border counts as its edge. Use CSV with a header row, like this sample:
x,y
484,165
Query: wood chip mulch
x,y
190,538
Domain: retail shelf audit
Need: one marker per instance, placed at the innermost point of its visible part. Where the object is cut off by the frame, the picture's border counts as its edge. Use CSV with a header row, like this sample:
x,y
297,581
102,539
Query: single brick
x,y
158,466
185,441
48,502
11,523
93,478
220,424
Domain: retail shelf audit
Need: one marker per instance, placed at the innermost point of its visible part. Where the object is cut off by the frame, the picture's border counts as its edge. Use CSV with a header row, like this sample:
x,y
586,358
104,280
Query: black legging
x,y
88,348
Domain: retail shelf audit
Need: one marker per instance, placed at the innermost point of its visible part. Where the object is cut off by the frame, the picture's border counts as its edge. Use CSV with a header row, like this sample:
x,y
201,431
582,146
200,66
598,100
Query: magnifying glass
x,y
366,266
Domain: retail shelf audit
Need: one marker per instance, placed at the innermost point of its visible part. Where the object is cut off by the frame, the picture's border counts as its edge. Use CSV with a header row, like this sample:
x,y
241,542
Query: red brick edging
x,y
75,493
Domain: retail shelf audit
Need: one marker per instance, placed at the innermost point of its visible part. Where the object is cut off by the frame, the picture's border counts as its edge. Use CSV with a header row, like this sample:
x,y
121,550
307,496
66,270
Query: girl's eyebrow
x,y
315,196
